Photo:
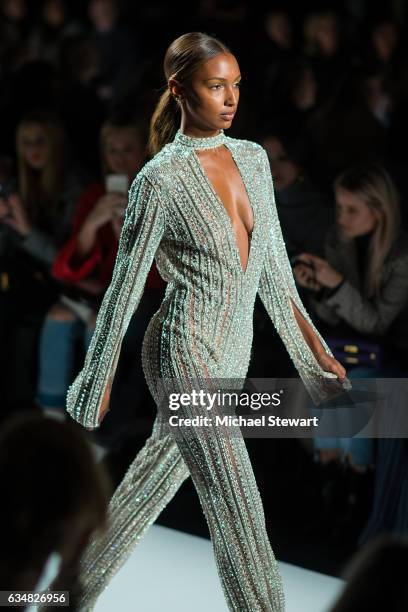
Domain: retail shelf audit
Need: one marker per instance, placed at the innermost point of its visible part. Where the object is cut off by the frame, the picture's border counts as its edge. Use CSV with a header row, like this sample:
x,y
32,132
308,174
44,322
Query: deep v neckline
x,y
225,212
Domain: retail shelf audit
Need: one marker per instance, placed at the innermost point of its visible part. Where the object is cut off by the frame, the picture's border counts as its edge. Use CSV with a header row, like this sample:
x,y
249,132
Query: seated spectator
x,y
362,281
53,27
54,498
344,131
304,213
14,27
80,107
35,217
85,263
326,49
291,92
116,47
361,292
274,49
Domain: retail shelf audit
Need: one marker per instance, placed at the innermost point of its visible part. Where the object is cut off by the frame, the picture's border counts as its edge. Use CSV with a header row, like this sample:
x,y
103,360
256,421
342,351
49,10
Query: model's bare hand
x,y
330,364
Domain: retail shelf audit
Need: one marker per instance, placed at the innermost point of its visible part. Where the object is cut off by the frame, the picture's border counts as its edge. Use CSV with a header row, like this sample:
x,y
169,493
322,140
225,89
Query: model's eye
x,y
238,84
215,86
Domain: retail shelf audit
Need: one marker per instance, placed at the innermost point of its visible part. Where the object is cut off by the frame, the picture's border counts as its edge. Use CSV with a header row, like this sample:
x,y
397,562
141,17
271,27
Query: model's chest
x,y
199,189
224,175
211,209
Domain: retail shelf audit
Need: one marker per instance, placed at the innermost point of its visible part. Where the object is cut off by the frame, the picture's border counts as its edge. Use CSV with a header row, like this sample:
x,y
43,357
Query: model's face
x,y
34,146
353,216
211,98
123,152
284,170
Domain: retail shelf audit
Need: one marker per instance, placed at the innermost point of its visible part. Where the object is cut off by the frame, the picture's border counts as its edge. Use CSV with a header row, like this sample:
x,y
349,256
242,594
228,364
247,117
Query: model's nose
x,y
231,97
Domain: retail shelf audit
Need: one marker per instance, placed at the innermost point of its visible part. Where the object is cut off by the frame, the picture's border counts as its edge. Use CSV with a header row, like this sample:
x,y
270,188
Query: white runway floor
x,y
170,571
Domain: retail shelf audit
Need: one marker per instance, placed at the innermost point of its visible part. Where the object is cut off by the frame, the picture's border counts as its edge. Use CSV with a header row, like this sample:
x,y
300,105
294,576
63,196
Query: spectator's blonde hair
x,y
372,184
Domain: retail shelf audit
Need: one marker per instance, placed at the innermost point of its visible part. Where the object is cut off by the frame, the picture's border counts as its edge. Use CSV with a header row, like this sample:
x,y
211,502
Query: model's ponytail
x,y
182,58
164,122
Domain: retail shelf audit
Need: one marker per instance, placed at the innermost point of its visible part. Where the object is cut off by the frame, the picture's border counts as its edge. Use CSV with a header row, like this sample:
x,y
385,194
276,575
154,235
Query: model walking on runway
x,y
204,208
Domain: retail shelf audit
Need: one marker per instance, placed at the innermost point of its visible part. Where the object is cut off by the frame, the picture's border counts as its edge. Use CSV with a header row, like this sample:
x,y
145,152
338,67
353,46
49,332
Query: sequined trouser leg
x,y
222,473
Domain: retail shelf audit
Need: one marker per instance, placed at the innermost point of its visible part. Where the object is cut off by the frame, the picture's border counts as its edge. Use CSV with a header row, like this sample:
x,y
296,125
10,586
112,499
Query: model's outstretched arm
x,y
142,231
278,292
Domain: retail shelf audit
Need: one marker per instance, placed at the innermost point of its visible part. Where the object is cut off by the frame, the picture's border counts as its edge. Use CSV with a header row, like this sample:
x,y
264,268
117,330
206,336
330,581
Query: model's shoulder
x,y
157,170
246,146
252,153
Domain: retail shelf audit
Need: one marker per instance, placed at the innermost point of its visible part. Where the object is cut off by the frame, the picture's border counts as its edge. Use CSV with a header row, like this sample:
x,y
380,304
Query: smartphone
x,y
117,183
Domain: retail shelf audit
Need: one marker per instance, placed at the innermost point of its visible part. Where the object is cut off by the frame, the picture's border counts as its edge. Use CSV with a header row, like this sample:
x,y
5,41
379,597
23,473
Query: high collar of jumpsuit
x,y
203,328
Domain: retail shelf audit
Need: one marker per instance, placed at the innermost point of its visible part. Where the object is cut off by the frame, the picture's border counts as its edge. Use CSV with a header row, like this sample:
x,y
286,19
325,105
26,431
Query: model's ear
x,y
175,88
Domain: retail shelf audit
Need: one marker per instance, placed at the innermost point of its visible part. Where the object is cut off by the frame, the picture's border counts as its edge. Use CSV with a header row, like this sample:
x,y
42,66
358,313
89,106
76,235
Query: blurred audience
x,y
116,48
36,208
53,27
85,262
376,578
361,292
326,49
54,498
344,131
14,28
305,214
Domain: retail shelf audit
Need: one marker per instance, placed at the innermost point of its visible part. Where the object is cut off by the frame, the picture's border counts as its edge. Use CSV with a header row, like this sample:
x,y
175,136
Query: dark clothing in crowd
x,y
305,215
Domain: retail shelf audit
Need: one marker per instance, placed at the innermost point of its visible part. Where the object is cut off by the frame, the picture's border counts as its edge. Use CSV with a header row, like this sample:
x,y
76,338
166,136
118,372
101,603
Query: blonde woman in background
x,y
361,290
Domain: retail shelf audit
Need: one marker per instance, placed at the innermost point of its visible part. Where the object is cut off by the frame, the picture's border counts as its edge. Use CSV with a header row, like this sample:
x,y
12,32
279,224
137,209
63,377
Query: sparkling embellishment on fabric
x,y
202,330
209,142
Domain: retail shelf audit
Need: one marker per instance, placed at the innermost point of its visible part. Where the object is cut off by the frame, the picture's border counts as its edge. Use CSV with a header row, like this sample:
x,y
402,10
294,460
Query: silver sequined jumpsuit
x,y
203,329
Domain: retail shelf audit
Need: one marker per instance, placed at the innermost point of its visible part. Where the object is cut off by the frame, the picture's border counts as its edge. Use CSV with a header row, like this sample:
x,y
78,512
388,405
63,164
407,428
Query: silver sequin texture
x,y
203,329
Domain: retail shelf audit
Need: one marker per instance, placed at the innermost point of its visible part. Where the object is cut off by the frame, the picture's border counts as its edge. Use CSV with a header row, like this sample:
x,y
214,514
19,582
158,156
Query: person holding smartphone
x,y
85,262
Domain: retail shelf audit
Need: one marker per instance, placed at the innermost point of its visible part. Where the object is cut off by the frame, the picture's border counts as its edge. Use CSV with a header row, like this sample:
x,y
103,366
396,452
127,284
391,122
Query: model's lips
x,y
228,115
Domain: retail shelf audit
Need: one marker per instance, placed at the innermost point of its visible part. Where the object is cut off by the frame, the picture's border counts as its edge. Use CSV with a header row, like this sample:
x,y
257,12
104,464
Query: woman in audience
x,y
361,290
35,218
85,262
363,280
